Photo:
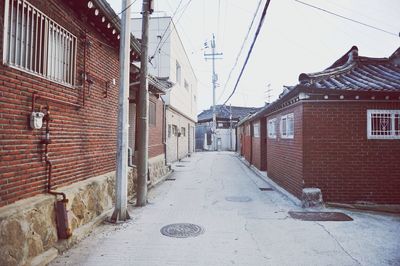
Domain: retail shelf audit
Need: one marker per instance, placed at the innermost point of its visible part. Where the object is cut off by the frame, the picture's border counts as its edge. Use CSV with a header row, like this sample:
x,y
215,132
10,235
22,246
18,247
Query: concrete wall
x,y
183,99
179,147
340,159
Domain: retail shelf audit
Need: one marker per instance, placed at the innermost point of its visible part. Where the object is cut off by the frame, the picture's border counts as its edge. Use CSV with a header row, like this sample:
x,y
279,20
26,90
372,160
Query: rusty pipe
x,y
36,97
49,165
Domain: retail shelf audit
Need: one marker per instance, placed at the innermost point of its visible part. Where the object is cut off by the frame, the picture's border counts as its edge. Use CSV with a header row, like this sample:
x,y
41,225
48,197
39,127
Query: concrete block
x,y
312,198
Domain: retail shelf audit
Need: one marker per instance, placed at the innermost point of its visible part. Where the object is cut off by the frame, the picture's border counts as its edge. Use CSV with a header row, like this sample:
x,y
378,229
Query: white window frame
x,y
288,131
256,129
393,116
36,44
272,128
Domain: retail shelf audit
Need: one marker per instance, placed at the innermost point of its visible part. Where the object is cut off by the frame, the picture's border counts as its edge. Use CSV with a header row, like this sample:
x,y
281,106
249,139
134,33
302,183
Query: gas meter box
x,y
37,120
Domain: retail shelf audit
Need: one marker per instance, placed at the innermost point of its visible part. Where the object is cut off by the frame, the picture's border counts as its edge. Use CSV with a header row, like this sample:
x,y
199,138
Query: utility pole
x,y
268,93
121,211
143,114
230,127
214,80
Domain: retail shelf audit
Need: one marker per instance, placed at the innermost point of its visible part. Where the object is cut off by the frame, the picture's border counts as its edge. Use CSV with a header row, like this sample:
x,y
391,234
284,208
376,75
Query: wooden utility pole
x,y
143,134
121,184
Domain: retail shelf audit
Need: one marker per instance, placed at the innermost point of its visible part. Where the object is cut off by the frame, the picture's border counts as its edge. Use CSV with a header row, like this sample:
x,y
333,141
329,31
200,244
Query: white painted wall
x,y
164,63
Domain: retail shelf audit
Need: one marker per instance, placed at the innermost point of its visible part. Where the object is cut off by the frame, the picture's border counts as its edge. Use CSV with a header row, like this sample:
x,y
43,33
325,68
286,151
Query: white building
x,y
169,60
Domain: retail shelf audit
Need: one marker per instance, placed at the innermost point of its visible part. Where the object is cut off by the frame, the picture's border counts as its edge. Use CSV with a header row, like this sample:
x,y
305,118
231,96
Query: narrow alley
x,y
240,225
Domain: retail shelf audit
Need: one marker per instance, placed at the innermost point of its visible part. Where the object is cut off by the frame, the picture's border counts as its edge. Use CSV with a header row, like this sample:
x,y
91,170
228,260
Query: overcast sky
x,y
295,38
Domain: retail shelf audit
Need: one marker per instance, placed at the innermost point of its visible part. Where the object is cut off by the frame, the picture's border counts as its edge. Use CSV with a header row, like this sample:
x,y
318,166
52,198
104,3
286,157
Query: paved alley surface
x,y
257,231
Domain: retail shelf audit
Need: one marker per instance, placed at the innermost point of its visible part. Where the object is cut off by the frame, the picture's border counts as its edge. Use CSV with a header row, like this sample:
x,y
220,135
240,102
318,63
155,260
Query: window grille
x,y
174,130
256,130
38,45
152,113
272,128
287,126
383,124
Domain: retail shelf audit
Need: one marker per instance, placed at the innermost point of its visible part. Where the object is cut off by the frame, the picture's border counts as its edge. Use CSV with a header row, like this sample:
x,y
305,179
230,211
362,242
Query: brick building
x,y
337,130
60,60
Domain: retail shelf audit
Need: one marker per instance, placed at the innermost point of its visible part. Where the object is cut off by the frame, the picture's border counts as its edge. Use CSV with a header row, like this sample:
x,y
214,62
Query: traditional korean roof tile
x,y
223,112
353,72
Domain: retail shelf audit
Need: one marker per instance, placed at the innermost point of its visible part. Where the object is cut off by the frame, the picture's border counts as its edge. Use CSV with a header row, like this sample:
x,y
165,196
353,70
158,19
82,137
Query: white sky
x,y
294,38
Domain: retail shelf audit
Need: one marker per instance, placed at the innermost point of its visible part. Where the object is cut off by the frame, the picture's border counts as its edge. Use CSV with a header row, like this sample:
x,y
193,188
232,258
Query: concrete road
x,y
257,231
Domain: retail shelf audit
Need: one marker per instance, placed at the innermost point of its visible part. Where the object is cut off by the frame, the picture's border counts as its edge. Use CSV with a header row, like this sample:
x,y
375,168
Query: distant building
x,y
170,61
226,117
337,130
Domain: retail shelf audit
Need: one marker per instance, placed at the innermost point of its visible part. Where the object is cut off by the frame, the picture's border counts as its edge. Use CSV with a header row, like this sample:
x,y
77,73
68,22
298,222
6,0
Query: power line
x,y
260,23
240,51
165,31
350,19
180,16
122,11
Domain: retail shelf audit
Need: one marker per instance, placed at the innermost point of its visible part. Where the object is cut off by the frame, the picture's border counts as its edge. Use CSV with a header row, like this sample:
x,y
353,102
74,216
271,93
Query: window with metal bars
x,y
256,130
287,126
36,44
152,113
272,128
383,124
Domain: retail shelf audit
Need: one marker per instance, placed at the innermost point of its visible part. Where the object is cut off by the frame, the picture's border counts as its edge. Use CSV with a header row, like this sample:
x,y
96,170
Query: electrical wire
x,y
165,31
122,11
183,11
260,23
241,50
349,19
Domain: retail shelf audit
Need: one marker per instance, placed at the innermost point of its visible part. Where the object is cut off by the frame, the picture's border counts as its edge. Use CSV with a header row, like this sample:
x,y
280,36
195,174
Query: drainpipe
x,y
63,229
164,132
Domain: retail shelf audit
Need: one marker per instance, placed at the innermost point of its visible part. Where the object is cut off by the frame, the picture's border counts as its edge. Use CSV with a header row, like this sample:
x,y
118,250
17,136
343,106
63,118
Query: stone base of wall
x,y
158,169
28,234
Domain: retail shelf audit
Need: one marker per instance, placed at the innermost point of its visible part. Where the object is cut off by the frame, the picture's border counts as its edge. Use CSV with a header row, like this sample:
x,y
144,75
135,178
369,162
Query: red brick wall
x,y
340,160
285,156
83,141
263,145
247,142
156,146
256,149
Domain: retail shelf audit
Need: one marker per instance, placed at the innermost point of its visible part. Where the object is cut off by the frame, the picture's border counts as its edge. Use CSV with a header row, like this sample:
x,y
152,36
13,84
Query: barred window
x,y
169,130
383,124
256,130
287,126
272,128
35,43
152,113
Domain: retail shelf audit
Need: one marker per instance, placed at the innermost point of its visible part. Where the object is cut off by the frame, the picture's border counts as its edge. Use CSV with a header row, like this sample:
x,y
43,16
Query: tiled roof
x,y
353,72
223,112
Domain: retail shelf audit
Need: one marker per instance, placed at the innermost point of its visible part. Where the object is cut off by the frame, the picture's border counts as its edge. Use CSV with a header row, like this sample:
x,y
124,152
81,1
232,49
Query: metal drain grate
x,y
320,216
182,230
180,165
265,189
170,179
238,199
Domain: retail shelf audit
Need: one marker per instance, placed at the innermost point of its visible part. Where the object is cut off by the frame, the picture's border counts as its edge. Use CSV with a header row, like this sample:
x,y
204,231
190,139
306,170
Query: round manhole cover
x,y
238,199
182,230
